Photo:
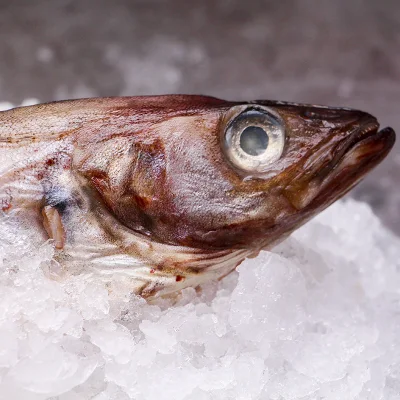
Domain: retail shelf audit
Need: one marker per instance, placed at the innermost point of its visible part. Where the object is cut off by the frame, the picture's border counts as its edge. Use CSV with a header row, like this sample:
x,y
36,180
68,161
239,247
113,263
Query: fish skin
x,y
145,193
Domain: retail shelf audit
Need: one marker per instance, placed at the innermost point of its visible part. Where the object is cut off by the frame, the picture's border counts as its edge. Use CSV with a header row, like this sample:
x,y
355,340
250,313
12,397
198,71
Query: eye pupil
x,y
254,140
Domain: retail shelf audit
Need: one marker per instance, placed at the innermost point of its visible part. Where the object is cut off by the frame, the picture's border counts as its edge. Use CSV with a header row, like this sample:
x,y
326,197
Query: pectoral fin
x,y
53,225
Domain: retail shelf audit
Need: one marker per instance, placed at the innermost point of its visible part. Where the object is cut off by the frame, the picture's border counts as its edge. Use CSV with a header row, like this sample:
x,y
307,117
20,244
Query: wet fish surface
x,y
166,192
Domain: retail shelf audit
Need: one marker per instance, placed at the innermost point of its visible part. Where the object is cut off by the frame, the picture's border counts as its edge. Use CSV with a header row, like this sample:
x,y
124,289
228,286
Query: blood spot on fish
x,y
67,164
179,278
152,271
50,162
5,205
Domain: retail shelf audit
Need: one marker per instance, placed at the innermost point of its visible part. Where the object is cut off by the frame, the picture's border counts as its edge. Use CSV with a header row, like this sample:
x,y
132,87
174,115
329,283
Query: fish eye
x,y
254,138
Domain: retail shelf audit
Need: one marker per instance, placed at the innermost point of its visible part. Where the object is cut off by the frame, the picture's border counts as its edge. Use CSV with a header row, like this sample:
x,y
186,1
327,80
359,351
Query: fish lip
x,y
369,128
362,152
364,132
363,136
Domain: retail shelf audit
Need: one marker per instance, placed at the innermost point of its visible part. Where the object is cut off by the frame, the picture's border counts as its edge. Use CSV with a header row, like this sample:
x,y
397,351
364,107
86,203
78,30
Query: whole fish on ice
x,y
167,192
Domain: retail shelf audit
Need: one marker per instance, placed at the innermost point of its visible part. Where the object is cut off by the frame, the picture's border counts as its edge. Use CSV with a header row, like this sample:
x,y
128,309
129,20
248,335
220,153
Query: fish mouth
x,y
362,135
361,150
354,157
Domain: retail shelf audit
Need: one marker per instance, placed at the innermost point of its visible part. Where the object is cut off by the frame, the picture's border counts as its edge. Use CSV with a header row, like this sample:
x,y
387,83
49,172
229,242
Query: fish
x,y
168,192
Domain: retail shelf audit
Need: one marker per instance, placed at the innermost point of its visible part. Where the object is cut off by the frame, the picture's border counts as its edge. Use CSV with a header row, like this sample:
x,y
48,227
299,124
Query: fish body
x,y
166,192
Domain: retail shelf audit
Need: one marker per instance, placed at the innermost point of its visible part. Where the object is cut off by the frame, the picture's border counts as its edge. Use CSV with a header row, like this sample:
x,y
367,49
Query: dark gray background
x,y
342,53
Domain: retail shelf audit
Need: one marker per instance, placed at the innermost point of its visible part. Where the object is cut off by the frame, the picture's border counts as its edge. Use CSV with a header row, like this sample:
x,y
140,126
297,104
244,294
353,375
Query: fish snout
x,y
345,118
351,145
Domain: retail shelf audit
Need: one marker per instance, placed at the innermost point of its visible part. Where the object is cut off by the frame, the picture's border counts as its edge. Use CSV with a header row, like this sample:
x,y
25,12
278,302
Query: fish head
x,y
206,173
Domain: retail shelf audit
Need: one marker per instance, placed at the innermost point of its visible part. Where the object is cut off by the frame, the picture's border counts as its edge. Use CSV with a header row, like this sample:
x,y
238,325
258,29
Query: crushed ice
x,y
318,318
